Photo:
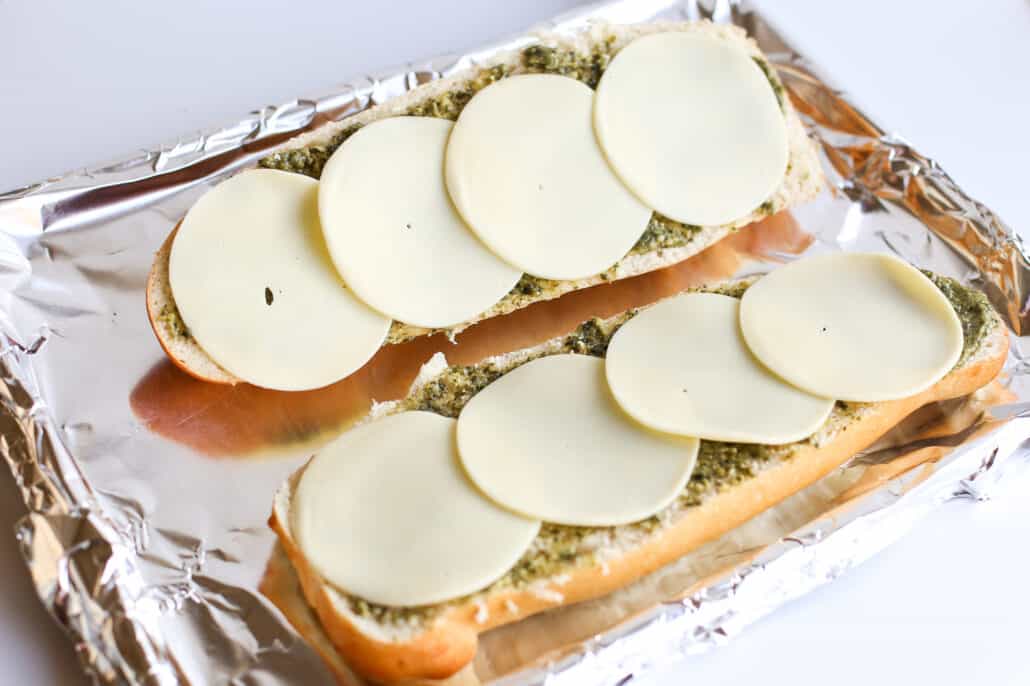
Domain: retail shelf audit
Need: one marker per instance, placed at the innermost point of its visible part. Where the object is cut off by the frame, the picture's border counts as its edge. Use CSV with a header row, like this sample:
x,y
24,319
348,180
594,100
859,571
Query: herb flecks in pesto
x,y
450,104
449,392
721,465
172,322
973,309
733,290
662,233
309,160
585,67
590,338
774,81
556,548
382,614
530,287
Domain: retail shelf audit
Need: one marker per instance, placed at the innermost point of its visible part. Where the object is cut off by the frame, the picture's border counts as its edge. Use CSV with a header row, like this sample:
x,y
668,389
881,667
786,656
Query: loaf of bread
x,y
731,484
583,56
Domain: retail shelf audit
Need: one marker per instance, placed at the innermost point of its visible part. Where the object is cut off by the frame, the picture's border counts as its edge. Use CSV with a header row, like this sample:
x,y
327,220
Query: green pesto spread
x,y
529,289
450,104
172,322
973,309
662,233
556,547
773,79
542,59
559,548
309,160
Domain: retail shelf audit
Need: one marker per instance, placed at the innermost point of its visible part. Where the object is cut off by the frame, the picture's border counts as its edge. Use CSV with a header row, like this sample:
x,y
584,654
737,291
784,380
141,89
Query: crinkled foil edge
x,y
82,561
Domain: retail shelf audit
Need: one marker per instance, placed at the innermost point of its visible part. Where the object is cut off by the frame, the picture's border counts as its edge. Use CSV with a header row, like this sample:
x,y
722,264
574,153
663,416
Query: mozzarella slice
x,y
692,126
854,326
393,233
253,282
526,173
681,366
547,440
386,513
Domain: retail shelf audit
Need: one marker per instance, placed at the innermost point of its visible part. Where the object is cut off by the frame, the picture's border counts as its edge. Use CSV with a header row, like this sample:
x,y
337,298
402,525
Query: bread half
x,y
584,56
731,484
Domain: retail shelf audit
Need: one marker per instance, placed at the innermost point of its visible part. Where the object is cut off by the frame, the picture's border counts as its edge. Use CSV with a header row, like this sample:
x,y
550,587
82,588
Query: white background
x,y
82,83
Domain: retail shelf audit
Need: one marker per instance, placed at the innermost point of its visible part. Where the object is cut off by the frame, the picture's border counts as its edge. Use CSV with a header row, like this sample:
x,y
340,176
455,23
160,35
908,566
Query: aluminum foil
x,y
148,493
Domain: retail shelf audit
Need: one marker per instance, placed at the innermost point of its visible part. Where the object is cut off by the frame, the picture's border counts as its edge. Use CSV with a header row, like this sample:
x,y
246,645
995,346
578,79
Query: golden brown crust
x,y
449,642
280,585
435,654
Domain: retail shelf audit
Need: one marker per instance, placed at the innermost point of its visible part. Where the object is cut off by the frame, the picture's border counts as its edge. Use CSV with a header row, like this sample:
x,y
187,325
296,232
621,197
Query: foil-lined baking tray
x,y
148,491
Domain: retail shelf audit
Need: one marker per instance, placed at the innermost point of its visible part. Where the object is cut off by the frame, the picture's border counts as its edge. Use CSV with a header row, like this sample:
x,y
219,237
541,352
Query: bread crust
x,y
279,584
802,181
449,641
184,352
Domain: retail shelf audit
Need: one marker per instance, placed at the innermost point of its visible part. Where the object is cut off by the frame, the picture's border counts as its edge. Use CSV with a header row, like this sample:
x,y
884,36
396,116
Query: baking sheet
x,y
148,491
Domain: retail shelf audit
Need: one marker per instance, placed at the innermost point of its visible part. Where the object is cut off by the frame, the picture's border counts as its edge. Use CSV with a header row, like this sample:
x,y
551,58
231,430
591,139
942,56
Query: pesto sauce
x,y
382,614
309,160
450,104
662,233
588,68
556,547
449,392
973,309
529,288
172,322
774,81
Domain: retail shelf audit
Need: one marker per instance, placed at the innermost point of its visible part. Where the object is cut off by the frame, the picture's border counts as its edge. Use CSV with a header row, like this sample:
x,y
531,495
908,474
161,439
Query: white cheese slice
x,y
393,233
386,513
692,126
681,366
253,281
853,326
548,440
525,171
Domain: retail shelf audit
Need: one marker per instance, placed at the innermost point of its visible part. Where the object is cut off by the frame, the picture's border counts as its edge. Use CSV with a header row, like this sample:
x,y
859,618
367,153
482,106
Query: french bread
x,y
731,484
582,55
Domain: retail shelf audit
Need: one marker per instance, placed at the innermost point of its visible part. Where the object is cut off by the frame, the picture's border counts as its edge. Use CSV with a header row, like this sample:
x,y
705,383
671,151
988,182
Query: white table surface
x,y
81,83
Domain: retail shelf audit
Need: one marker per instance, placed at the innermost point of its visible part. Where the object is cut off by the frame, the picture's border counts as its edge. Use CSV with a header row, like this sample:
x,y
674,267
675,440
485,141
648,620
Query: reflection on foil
x,y
151,554
222,420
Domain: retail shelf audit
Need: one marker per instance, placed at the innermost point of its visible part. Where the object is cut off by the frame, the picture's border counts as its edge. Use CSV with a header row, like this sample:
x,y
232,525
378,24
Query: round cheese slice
x,y
393,233
547,440
253,281
525,171
386,513
692,126
681,366
853,326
